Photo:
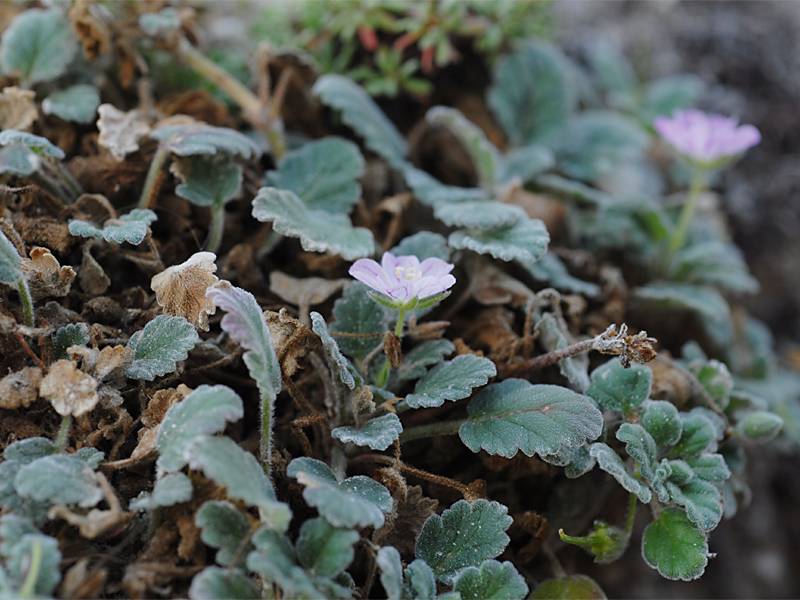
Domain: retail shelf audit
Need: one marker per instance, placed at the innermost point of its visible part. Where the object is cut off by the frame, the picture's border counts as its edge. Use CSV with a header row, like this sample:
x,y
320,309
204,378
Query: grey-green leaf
x,y
377,433
336,360
130,227
675,547
59,479
464,535
361,113
525,240
478,214
451,380
551,269
324,174
224,527
20,559
523,164
355,502
421,581
388,560
572,587
71,334
701,500
77,103
213,583
205,411
37,46
515,415
35,143
620,389
554,335
698,436
423,244
427,354
710,467
317,230
208,180
360,321
192,139
610,462
704,301
491,581
759,426
275,560
172,488
10,261
662,421
640,446
323,549
159,346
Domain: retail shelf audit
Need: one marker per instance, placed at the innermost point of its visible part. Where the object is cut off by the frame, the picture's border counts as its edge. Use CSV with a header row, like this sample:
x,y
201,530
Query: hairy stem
x,y
696,188
265,441
216,228
62,437
153,179
630,515
26,300
28,588
556,356
386,369
434,429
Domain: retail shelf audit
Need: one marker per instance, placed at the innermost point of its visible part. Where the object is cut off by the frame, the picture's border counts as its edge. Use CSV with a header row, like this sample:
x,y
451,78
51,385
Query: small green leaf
x,y
479,214
532,94
759,426
620,389
208,180
554,335
36,143
662,421
698,436
551,269
464,535
388,560
675,547
713,263
361,113
717,381
324,549
203,412
523,164
515,415
421,581
29,449
71,334
485,157
377,433
427,354
423,244
610,462
77,103
491,581
192,139
131,227
525,240
710,467
354,502
573,587
451,380
275,560
701,500
12,529
19,561
360,322
704,301
640,446
317,230
59,479
433,193
224,527
159,346
668,94
604,542
324,174
37,46
225,462
172,488
10,262
336,360
213,583
19,160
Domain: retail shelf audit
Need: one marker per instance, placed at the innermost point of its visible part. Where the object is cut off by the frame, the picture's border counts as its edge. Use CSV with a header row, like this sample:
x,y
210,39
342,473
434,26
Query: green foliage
x,y
610,462
479,214
573,587
159,346
424,244
10,261
130,227
37,46
604,542
553,335
336,360
464,535
208,180
77,103
59,479
213,583
759,426
662,422
172,488
378,433
195,139
18,561
324,549
492,580
359,323
37,144
551,269
527,239
675,547
451,380
71,334
425,355
515,415
224,527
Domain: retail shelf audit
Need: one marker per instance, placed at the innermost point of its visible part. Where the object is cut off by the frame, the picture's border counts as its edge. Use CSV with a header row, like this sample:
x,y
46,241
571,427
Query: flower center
x,y
407,273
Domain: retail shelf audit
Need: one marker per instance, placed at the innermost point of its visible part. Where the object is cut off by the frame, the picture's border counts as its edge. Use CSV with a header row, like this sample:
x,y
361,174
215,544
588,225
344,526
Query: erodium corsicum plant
x,y
362,363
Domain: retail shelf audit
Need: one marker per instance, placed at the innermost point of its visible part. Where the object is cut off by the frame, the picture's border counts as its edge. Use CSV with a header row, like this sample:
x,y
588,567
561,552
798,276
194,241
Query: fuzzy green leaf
x,y
551,269
275,560
203,412
224,527
640,446
336,360
701,500
377,433
662,421
213,583
172,488
464,535
668,94
759,426
324,174
159,346
491,581
620,389
59,479
388,560
610,462
554,335
19,560
361,113
10,262
130,227
710,467
19,160
572,587
716,264
317,230
698,436
427,354
515,415
423,244
71,334
523,164
12,529
208,180
360,322
704,301
37,46
525,240
225,462
192,139
35,143
478,214
77,103
354,502
324,549
421,581
451,380
433,193
675,547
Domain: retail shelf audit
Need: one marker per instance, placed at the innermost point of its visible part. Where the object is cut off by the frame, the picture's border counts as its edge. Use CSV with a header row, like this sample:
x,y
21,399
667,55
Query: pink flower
x,y
706,137
404,278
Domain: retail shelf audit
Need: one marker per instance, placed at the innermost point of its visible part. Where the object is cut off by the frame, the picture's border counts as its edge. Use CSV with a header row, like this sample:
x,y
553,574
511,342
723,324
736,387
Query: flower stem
x,y
216,228
556,356
265,441
27,302
696,188
151,182
28,588
630,515
435,429
62,437
386,369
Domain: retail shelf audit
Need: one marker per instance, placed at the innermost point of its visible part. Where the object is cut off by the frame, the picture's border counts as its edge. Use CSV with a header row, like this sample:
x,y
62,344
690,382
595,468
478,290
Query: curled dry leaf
x,y
91,31
69,390
152,416
46,277
17,108
292,340
181,289
20,389
91,276
111,359
120,131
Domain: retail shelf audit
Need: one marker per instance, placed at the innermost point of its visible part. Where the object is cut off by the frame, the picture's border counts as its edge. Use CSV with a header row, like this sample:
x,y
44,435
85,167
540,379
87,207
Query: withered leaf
x,y
46,277
17,108
120,131
69,390
404,525
181,289
21,388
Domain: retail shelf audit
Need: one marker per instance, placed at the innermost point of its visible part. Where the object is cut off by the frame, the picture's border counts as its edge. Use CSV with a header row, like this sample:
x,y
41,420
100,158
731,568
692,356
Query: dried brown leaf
x,y
181,289
292,340
91,31
17,108
46,277
82,583
21,388
403,526
91,276
308,291
120,131
69,390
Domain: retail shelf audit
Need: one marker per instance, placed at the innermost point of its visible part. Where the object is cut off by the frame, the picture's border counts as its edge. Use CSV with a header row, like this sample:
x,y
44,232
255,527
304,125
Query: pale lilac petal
x,y
369,272
435,267
706,137
407,262
431,287
404,278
